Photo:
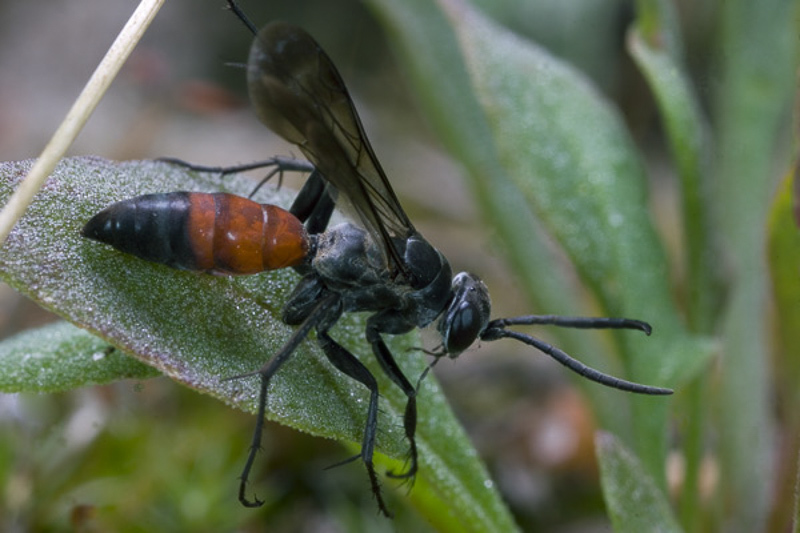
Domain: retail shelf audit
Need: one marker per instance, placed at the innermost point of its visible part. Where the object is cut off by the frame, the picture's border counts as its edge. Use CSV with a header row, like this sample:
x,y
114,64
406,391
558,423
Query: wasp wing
x,y
298,93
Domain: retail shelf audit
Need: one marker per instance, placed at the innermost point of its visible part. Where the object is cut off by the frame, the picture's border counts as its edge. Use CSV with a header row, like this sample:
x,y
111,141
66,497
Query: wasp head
x,y
467,314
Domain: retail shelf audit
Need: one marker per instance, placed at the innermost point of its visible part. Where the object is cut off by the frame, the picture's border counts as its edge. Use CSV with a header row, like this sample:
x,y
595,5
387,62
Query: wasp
x,y
382,265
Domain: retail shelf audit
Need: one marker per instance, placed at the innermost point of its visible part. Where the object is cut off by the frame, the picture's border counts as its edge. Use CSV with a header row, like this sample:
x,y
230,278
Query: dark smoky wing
x,y
299,94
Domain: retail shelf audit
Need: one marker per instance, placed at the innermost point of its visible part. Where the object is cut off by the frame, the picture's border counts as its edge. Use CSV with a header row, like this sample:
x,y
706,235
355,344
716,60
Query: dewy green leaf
x,y
633,500
200,329
59,357
689,139
569,154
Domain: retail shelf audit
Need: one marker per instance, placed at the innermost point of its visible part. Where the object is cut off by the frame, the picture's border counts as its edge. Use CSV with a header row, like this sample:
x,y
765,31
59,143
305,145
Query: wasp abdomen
x,y
219,233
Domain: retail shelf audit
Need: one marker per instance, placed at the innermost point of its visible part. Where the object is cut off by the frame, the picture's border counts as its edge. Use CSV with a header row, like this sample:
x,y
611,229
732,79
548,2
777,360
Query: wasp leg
x,y
279,164
283,164
327,307
390,367
255,446
348,364
314,203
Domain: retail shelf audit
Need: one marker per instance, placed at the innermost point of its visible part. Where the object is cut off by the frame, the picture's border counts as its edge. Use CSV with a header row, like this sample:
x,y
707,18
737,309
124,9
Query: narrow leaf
x,y
757,79
633,499
784,262
689,140
59,357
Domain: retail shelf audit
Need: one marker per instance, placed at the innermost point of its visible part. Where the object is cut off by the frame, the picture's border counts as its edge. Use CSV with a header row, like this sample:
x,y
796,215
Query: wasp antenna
x,y
578,322
239,13
495,332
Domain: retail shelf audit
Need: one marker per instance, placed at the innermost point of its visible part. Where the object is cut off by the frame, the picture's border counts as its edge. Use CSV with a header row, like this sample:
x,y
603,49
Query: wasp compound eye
x,y
467,313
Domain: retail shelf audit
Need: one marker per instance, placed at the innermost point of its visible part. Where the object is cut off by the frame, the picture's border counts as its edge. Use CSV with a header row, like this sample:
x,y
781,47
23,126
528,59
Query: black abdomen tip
x,y
98,228
151,227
